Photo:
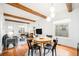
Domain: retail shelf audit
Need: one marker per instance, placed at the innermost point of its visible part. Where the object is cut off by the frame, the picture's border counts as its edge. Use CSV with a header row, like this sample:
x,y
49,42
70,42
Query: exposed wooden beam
x,y
18,17
25,8
16,21
69,7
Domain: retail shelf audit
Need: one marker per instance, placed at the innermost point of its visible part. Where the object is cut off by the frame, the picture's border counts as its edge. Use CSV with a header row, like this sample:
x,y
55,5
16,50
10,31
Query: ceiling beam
x,y
18,17
16,21
25,8
69,7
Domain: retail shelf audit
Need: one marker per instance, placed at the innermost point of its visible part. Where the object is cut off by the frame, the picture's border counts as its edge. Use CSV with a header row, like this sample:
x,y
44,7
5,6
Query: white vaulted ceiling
x,y
42,8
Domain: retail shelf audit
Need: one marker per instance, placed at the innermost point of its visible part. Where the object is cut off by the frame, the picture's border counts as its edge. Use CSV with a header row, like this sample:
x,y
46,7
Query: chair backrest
x,y
30,45
50,36
55,43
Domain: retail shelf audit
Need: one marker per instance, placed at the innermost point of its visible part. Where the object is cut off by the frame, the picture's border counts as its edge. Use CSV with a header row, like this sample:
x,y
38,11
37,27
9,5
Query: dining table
x,y
42,41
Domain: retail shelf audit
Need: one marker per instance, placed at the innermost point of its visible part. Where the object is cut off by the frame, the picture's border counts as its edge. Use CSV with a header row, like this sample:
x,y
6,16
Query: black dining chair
x,y
50,36
50,47
33,47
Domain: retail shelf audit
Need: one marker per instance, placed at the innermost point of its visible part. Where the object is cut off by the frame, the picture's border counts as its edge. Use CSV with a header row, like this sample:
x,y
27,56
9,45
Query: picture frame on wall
x,y
62,30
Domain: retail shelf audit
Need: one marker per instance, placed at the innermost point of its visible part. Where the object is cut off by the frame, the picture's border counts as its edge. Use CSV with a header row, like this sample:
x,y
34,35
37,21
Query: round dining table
x,y
43,40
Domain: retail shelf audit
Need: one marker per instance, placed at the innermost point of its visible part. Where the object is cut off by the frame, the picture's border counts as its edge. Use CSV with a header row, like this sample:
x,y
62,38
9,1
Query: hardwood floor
x,y
21,50
66,51
17,51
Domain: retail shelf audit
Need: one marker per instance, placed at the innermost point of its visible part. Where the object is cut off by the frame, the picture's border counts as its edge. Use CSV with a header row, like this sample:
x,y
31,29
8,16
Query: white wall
x,y
73,38
46,26
1,27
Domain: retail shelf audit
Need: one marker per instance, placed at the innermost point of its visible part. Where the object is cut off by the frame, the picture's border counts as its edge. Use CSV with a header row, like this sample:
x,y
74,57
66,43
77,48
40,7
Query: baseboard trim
x,y
67,46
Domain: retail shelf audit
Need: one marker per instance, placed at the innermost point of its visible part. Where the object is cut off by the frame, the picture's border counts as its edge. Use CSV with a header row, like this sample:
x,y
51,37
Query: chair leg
x,y
31,52
35,51
28,52
55,53
40,52
52,52
44,51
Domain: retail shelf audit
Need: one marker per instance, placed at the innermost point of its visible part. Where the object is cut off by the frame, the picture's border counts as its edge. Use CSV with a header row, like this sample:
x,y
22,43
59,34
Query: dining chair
x,y
50,47
33,47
